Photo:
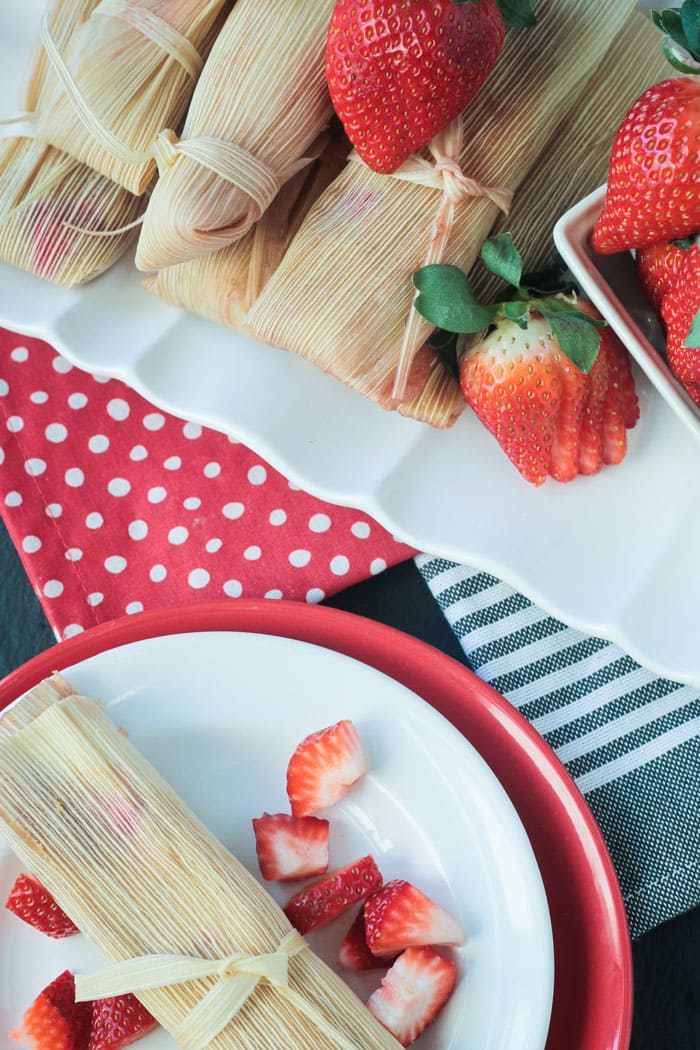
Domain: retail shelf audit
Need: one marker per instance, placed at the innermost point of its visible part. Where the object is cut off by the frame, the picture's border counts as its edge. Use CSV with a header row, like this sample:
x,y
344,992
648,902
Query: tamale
x,y
127,74
259,104
368,233
223,285
142,877
51,204
576,159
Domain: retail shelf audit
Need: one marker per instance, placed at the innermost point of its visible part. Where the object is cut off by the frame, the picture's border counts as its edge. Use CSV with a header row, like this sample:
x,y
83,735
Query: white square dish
x,y
611,283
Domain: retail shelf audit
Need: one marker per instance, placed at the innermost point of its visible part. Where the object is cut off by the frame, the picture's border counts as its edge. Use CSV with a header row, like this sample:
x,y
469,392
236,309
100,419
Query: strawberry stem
x,y
681,42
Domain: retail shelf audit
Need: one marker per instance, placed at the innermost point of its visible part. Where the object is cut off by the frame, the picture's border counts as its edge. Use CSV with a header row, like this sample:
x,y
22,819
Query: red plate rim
x,y
593,986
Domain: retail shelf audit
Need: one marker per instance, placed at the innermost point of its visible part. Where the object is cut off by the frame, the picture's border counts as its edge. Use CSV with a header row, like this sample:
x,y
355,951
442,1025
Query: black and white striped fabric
x,y
630,739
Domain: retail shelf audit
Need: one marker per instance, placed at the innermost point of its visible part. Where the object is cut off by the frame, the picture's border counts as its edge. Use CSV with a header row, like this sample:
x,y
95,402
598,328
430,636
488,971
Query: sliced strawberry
x,y
354,953
324,767
33,904
565,443
330,896
54,1021
291,847
401,916
117,1022
610,406
413,993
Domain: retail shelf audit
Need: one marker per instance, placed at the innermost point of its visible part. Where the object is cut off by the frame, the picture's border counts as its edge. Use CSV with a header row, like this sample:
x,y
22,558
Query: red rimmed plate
x,y
593,972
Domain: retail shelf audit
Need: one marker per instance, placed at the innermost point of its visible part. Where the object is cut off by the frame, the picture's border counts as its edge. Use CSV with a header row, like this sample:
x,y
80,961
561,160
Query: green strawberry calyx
x,y
516,13
681,29
446,299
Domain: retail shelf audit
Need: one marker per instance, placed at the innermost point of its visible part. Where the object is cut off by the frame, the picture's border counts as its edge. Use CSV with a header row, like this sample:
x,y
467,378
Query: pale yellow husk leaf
x,y
223,285
576,159
141,875
263,93
369,233
130,82
43,192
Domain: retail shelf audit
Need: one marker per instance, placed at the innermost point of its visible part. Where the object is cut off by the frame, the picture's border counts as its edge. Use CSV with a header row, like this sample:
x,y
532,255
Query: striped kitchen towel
x,y
631,740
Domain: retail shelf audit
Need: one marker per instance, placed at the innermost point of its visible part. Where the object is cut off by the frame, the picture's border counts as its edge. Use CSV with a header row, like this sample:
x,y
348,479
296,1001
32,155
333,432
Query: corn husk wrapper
x,y
140,875
260,103
576,159
128,73
44,192
46,693
223,285
369,233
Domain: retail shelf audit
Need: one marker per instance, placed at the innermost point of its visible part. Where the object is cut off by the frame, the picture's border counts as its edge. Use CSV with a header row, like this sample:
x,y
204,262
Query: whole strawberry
x,y
400,73
681,313
544,376
658,267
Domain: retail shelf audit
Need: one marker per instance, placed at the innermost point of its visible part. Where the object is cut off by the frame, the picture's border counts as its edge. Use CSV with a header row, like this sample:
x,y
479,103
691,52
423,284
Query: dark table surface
x,y
666,960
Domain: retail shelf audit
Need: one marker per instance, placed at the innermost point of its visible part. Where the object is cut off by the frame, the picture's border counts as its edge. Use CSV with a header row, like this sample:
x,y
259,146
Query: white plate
x,y
219,714
611,283
616,555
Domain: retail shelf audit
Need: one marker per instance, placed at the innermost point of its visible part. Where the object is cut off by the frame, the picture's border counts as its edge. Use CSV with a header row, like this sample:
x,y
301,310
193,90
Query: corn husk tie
x,y
238,976
445,174
232,163
155,29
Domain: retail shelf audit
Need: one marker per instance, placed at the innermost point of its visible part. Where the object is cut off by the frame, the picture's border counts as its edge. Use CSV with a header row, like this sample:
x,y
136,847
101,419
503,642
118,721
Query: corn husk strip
x,y
50,204
262,91
576,159
223,285
379,226
165,36
455,187
33,703
140,875
121,81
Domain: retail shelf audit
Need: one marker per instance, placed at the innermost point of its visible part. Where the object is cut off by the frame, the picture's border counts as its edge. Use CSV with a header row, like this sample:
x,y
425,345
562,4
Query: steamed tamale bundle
x,y
223,285
259,104
204,947
368,233
575,161
124,76
51,206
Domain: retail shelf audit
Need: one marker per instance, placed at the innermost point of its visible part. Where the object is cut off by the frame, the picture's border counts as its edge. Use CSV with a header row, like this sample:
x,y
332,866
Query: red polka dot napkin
x,y
116,507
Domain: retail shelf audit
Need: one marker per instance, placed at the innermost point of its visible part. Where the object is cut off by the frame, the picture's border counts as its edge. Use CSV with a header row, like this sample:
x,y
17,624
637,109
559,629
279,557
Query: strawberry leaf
x,y
447,300
690,20
518,13
693,337
577,337
501,257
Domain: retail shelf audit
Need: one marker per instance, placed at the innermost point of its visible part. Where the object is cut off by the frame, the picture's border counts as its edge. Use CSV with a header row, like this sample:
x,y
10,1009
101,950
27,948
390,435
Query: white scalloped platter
x,y
616,555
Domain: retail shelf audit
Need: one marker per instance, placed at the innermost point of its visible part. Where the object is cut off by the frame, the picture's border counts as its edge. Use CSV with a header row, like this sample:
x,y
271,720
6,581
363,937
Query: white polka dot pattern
x,y
117,507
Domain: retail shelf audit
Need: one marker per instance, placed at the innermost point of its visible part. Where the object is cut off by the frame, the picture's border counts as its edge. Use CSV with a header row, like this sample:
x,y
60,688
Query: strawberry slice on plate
x,y
54,1021
325,899
413,993
354,952
117,1022
29,901
402,916
324,767
291,847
